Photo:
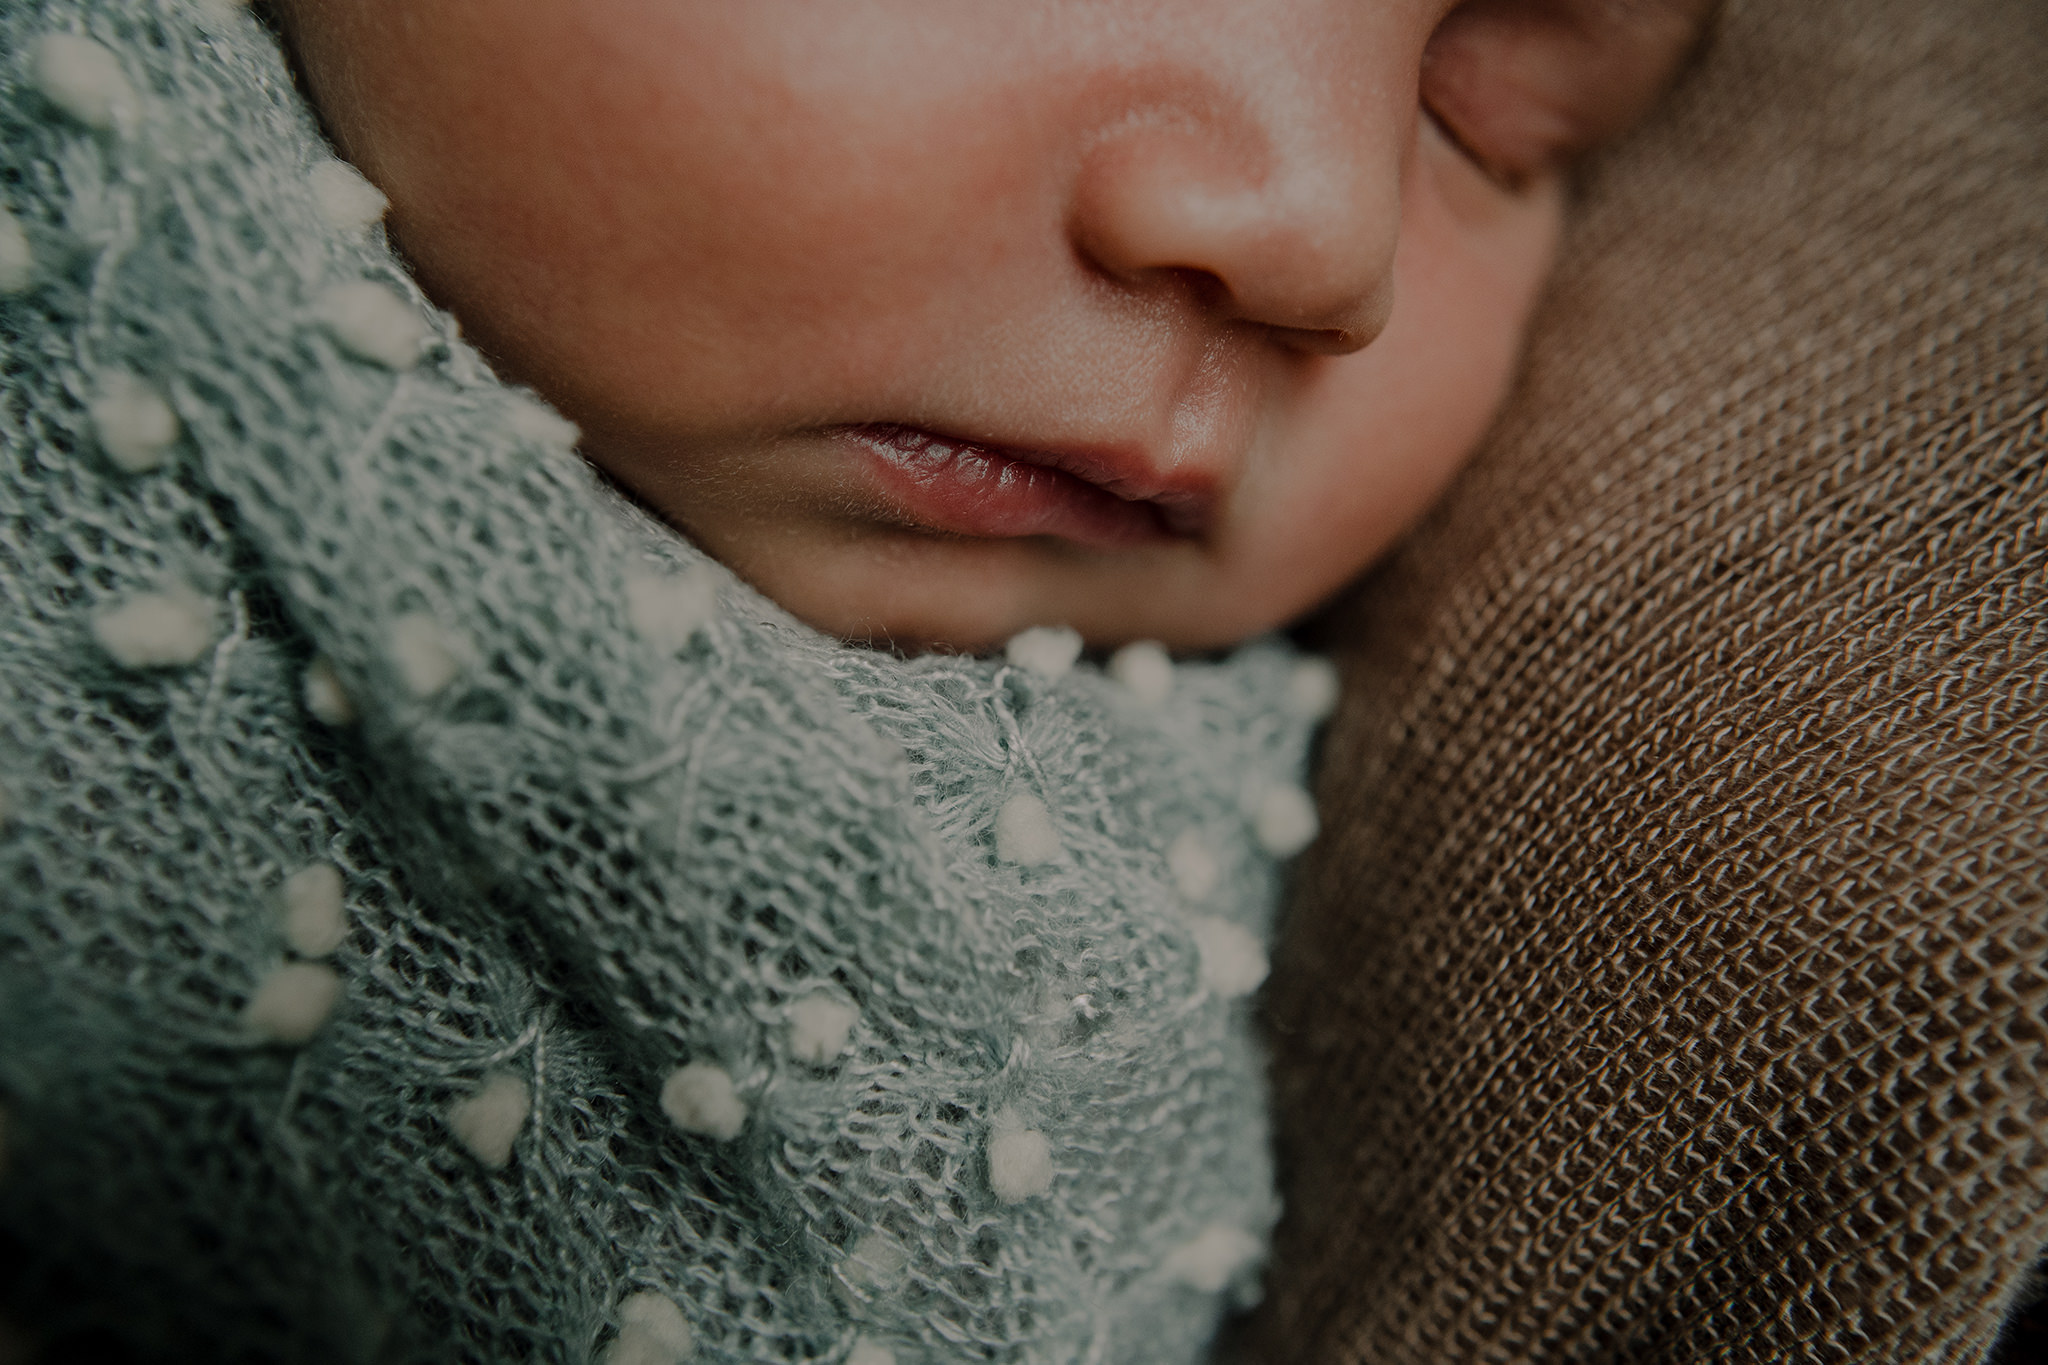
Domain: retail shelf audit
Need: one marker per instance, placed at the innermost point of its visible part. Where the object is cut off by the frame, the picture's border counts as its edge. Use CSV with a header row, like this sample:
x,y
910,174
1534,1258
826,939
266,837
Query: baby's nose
x,y
1280,219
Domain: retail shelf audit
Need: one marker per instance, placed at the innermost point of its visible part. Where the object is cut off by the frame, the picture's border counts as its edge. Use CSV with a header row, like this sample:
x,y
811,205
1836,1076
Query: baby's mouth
x,y
944,483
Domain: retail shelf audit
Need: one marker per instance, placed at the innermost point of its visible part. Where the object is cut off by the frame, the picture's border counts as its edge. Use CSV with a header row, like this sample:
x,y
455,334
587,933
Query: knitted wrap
x,y
446,918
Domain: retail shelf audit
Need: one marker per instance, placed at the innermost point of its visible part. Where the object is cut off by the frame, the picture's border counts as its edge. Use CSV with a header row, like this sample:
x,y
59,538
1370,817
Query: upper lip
x,y
1185,498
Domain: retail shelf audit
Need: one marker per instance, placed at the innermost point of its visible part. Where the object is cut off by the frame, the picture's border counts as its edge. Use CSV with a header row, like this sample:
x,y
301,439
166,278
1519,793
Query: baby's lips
x,y
1184,498
978,488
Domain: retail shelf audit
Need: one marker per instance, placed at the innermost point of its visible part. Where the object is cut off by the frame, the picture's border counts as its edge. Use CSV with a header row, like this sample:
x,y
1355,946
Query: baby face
x,y
936,319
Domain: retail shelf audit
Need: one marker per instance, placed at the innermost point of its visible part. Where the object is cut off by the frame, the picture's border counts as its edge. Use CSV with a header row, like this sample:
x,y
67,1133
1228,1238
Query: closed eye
x,y
1523,86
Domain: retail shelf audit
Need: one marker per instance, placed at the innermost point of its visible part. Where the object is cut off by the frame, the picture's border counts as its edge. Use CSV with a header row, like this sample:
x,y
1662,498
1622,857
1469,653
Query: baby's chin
x,y
915,592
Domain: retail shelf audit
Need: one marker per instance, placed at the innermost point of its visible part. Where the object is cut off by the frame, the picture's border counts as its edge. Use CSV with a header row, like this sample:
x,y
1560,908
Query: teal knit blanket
x,y
443,917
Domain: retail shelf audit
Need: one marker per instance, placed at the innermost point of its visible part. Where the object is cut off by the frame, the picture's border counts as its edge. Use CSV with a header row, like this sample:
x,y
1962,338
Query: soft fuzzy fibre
x,y
445,918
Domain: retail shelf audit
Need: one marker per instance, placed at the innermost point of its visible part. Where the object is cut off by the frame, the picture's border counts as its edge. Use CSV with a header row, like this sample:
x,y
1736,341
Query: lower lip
x,y
962,489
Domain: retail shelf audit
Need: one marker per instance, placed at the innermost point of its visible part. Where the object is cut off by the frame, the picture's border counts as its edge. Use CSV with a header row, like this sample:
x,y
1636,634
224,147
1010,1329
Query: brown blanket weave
x,y
1670,986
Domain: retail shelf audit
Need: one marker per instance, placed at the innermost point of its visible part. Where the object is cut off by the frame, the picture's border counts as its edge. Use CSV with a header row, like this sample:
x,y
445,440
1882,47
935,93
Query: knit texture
x,y
446,918
1672,983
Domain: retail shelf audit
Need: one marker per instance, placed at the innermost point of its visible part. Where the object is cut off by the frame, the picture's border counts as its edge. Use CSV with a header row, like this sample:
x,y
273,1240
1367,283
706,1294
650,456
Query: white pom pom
x,y
652,1331
1024,832
701,1098
345,199
1286,823
1145,670
17,259
488,1121
133,421
1019,1160
877,1261
314,921
83,79
535,421
868,1351
325,697
1213,1258
1193,866
669,609
293,1002
820,1026
156,629
428,656
1048,651
1233,962
373,322
1312,687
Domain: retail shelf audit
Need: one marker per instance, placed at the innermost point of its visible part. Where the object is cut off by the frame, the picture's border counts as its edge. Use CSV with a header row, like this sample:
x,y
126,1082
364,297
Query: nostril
x,y
1211,294
1321,340
1358,331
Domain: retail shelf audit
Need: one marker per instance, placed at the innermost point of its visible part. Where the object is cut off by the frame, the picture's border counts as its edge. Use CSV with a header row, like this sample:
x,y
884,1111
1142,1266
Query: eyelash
x,y
1447,73
1510,180
1522,86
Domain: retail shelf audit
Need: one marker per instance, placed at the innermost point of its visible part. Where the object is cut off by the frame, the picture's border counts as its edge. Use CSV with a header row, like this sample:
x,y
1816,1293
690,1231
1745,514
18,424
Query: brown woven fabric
x,y
1672,983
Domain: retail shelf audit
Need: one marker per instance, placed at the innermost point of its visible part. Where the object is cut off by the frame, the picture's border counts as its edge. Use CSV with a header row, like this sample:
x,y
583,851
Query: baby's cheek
x,y
1374,437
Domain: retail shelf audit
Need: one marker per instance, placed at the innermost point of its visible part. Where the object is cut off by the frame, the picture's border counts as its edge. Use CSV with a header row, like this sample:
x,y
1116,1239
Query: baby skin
x,y
1154,318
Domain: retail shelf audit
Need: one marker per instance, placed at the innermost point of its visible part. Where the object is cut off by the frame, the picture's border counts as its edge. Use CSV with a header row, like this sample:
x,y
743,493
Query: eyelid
x,y
1506,178
1524,85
